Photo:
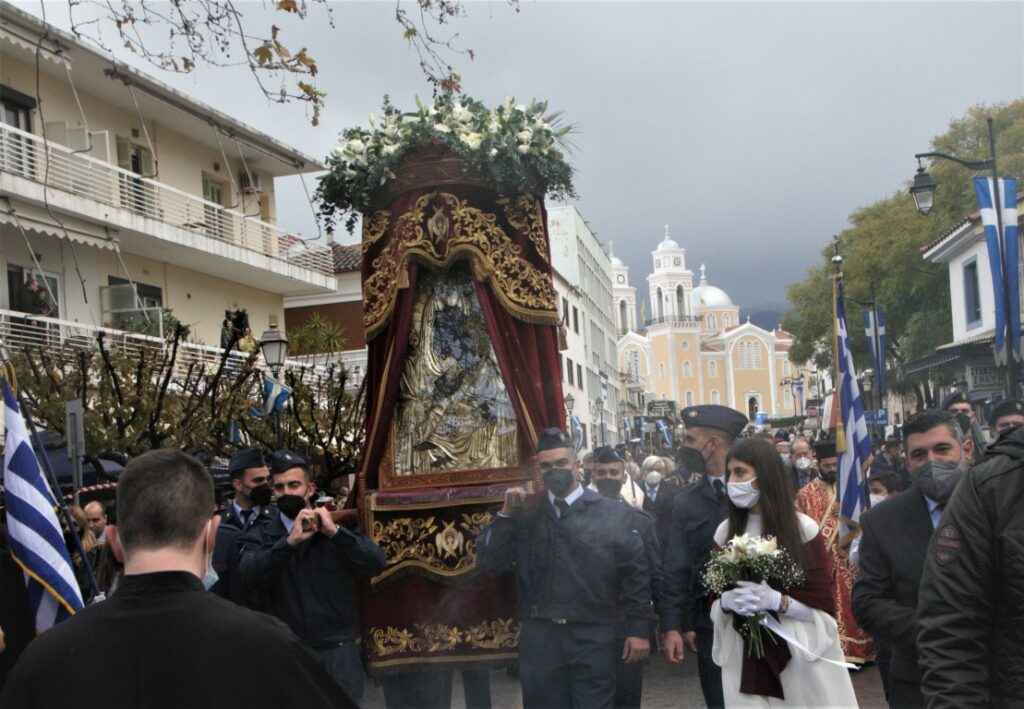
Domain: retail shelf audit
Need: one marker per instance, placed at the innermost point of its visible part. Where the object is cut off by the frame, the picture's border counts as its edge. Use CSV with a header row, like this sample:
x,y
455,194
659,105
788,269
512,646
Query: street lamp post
x,y
923,192
274,346
570,401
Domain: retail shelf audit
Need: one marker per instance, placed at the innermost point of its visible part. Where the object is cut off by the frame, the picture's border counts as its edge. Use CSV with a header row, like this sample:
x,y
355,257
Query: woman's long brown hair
x,y
778,512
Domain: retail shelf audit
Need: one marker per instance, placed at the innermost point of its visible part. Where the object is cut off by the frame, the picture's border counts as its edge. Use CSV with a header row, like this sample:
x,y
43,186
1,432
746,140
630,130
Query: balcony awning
x,y
954,353
37,220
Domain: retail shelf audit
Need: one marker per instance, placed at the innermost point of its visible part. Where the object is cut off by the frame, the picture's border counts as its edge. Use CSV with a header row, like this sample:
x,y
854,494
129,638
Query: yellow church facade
x,y
693,349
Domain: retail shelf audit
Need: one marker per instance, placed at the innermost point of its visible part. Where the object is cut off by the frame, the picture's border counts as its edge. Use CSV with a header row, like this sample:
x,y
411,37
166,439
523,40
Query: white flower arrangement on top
x,y
519,147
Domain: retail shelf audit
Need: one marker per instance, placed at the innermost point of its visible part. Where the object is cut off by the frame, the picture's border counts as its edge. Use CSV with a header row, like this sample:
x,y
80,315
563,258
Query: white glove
x,y
733,601
758,597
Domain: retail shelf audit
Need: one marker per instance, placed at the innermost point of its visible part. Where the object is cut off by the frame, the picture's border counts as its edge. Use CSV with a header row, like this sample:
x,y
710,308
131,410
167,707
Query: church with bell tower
x,y
691,347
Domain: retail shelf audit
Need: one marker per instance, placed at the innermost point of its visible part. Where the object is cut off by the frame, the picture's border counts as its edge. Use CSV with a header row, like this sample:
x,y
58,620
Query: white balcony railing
x,y
25,155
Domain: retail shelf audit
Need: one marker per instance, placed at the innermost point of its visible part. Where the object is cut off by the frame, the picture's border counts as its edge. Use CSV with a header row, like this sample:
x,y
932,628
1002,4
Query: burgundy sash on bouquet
x,y
764,676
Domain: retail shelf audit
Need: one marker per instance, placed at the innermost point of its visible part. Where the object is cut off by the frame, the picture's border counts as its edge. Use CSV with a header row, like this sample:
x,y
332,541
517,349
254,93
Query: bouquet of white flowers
x,y
757,559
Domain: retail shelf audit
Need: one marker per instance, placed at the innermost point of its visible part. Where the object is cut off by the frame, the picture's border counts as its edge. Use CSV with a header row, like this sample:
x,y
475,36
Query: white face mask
x,y
802,463
877,499
653,478
743,495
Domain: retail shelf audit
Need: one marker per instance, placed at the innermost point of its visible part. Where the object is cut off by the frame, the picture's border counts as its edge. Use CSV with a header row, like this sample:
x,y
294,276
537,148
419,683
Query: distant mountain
x,y
767,317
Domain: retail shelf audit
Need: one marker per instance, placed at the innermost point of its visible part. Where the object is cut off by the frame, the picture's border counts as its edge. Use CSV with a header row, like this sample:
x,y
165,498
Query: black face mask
x,y
291,505
558,481
260,495
609,487
830,478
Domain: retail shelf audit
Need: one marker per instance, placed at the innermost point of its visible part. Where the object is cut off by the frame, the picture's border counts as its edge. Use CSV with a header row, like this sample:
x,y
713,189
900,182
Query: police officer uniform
x,y
310,586
697,511
975,432
579,562
234,521
1007,407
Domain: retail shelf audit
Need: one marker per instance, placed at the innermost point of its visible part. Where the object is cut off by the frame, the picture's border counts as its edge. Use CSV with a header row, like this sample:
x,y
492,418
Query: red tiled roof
x,y
347,257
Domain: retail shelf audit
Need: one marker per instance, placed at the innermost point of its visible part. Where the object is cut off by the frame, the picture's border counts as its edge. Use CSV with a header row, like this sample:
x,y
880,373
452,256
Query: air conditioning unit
x,y
250,186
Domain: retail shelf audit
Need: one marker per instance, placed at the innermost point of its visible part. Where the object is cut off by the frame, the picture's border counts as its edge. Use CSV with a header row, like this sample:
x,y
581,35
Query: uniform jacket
x,y
583,567
971,610
165,642
696,513
226,553
893,543
309,586
661,508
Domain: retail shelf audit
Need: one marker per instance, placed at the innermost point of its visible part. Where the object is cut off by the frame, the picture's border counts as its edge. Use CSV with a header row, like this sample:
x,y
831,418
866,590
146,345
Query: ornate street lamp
x,y
923,192
274,346
570,401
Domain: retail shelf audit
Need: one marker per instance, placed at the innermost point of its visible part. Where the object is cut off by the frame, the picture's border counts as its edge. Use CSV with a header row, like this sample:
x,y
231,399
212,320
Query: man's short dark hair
x,y
890,480
164,498
927,420
892,443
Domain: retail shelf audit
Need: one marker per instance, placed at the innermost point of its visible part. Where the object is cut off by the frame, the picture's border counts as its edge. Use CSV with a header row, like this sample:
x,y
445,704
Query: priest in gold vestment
x,y
818,501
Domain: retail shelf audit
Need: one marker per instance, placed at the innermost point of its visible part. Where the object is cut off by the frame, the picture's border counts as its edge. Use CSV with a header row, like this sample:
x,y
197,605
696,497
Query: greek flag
x,y
876,319
274,395
37,544
852,441
666,435
577,432
1002,254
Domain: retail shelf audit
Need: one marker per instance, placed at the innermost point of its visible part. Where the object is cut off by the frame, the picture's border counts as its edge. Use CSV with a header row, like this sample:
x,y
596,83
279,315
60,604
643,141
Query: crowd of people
x,y
608,559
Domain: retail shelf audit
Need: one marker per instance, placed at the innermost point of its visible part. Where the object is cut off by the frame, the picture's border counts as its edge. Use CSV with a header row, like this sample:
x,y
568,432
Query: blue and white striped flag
x,y
852,441
666,434
576,432
37,543
275,394
872,319
1007,323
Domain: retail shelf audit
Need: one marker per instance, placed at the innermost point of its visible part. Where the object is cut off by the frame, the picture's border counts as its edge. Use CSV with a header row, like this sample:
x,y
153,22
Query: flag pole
x,y
8,373
837,278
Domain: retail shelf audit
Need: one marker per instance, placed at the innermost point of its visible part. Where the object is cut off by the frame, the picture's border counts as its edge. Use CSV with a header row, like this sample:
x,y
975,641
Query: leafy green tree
x,y
882,254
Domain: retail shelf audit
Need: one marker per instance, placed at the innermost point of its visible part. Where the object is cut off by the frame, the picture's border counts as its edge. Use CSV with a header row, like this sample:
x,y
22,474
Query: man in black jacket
x,y
165,641
302,565
609,475
894,541
971,607
579,563
251,504
699,508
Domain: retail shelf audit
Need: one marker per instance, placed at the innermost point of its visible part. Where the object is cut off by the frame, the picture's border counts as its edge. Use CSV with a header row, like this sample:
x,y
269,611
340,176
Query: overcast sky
x,y
752,129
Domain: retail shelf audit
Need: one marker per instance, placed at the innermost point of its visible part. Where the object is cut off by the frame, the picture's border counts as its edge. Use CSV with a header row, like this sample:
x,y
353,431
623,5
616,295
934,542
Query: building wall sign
x,y
984,377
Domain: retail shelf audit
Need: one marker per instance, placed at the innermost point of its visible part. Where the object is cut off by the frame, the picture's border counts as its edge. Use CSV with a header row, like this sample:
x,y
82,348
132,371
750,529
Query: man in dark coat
x,y
303,565
579,564
250,505
697,512
659,495
165,641
893,544
971,607
609,475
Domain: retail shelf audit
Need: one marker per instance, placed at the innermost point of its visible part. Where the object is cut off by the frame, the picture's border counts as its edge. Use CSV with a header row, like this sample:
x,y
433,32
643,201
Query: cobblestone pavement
x,y
665,686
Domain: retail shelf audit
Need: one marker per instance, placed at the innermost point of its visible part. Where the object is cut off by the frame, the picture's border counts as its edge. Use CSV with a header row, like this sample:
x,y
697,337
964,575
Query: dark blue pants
x,y
343,664
710,673
433,689
629,679
570,665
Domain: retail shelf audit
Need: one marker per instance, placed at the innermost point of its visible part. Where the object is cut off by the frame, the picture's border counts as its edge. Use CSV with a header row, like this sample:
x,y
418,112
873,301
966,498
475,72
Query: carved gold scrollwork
x,y
524,213
447,549
437,637
453,228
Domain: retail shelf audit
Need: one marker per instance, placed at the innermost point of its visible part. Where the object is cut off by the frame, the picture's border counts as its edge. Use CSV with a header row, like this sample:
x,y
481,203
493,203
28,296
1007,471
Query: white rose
x,y
355,146
442,128
461,113
523,149
472,140
389,149
492,152
524,136
765,546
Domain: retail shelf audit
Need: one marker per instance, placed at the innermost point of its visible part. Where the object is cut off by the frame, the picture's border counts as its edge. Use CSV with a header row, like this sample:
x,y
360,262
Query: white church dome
x,y
706,296
667,244
617,262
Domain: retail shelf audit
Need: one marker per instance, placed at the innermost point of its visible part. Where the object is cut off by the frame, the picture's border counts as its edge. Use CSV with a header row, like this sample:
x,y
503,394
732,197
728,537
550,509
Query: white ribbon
x,y
776,627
